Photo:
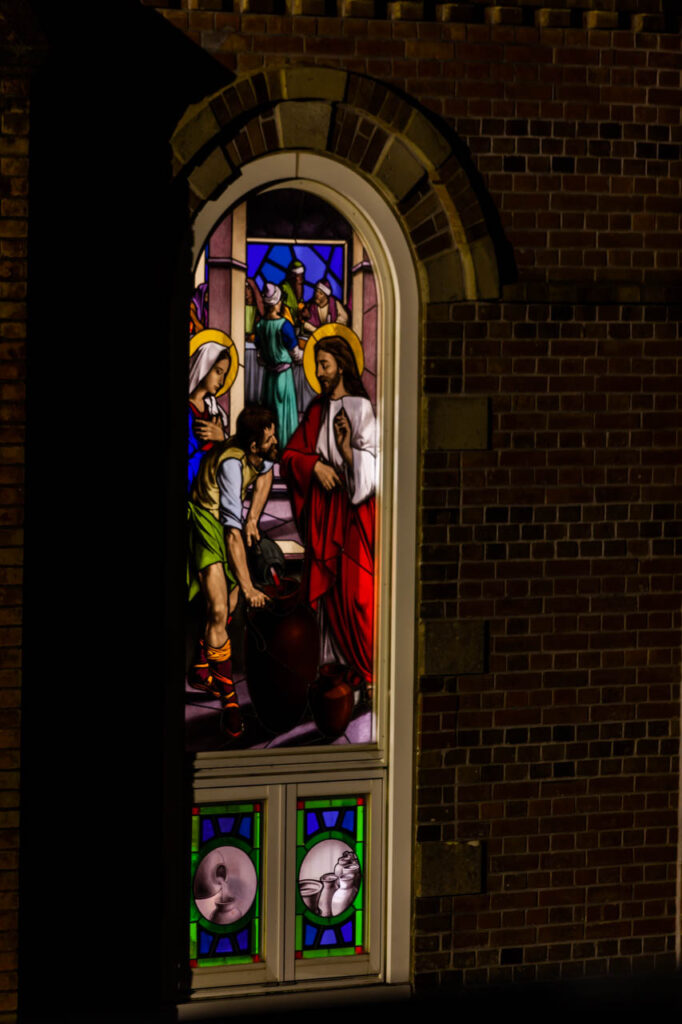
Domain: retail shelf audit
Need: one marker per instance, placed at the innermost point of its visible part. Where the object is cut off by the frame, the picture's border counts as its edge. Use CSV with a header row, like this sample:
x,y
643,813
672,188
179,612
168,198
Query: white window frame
x,y
388,762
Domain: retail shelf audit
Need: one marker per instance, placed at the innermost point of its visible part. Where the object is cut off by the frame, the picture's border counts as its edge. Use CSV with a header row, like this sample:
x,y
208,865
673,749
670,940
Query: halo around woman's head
x,y
213,334
330,331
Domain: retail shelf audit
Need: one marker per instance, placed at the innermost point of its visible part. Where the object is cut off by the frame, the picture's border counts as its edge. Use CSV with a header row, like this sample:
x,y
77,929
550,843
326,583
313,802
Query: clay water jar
x,y
330,884
331,700
282,652
310,889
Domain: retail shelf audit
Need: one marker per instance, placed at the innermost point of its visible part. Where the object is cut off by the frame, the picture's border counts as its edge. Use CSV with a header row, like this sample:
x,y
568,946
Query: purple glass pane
x,y
225,825
328,937
224,945
207,830
330,818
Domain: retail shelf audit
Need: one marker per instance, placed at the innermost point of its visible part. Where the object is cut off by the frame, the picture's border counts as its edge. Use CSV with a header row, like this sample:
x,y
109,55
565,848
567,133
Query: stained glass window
x,y
330,874
226,900
283,481
269,261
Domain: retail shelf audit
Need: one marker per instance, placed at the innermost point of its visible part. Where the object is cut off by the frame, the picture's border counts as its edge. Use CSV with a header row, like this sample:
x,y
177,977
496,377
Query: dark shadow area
x,y
629,1000
102,705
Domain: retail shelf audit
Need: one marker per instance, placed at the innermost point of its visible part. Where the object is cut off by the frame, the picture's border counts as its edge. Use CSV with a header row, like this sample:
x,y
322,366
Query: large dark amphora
x,y
282,652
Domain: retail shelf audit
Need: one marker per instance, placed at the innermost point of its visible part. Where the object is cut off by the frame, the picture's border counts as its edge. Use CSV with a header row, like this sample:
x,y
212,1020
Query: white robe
x,y
361,478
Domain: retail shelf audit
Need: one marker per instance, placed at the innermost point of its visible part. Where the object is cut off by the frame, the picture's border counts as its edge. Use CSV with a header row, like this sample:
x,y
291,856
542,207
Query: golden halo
x,y
213,334
330,331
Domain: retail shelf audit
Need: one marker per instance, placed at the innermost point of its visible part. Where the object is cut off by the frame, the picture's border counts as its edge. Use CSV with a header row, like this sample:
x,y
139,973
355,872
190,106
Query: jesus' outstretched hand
x,y
342,435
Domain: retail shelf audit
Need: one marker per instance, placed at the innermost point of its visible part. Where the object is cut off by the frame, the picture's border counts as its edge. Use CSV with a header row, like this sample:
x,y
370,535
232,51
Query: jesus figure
x,y
330,469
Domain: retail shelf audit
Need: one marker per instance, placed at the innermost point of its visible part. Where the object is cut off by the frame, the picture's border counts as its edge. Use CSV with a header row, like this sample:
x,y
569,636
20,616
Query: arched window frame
x,y
391,759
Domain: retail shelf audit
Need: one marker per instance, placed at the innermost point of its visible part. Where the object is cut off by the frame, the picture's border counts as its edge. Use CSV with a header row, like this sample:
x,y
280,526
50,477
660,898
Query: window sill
x,y
322,995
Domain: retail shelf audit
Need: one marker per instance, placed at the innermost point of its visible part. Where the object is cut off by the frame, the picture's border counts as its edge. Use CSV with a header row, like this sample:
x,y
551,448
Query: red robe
x,y
339,545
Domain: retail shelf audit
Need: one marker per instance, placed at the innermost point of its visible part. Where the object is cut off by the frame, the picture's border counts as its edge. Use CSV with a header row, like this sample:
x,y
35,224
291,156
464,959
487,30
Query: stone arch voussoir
x,y
374,130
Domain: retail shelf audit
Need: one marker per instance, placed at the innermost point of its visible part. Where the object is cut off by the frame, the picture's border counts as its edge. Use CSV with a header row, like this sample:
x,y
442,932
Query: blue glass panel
x,y
328,937
308,292
347,931
245,827
243,939
315,269
323,252
272,273
226,824
310,935
224,945
335,286
205,941
281,254
302,252
207,830
256,253
349,821
311,823
336,262
330,818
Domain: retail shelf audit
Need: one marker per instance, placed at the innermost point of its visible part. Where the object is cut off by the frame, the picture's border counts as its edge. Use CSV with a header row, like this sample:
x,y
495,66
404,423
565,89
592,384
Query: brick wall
x,y
563,758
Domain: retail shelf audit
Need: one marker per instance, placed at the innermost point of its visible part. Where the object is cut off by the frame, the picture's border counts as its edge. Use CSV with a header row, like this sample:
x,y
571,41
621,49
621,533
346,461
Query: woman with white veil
x,y
210,368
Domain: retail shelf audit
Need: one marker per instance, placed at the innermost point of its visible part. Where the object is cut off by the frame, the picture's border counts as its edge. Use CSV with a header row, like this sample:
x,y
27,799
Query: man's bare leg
x,y
217,644
214,588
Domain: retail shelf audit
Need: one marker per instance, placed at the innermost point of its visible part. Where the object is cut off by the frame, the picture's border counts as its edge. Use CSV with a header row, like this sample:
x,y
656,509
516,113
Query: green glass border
x,y
254,850
356,843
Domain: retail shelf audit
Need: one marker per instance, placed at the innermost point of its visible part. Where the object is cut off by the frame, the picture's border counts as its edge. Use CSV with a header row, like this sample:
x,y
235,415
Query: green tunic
x,y
279,393
290,300
206,532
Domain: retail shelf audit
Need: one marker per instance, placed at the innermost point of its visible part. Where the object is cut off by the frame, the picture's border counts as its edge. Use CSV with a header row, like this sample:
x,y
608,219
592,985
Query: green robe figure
x,y
278,349
292,290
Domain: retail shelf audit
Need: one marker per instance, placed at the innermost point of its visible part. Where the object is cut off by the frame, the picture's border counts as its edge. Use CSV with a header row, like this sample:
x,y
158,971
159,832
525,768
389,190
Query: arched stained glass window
x,y
295,678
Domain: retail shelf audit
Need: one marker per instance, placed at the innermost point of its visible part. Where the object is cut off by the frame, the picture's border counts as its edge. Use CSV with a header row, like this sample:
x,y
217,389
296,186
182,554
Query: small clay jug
x,y
310,889
330,884
331,700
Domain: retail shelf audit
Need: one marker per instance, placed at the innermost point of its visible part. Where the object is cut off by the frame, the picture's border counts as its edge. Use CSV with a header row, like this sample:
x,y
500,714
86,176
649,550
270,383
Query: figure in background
x,y
209,367
292,290
218,530
254,309
324,309
278,349
198,310
329,466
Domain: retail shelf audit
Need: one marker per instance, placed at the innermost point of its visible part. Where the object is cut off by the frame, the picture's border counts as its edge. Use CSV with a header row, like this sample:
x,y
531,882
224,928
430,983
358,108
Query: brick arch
x,y
372,129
